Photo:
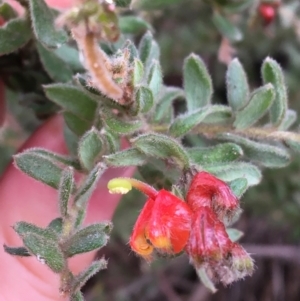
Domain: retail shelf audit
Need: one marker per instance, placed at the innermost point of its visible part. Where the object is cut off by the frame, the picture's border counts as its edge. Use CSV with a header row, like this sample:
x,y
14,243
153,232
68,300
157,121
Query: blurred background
x,y
271,217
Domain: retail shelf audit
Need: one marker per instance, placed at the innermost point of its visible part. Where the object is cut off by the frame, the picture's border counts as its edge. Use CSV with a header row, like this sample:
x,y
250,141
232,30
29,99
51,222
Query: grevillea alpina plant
x,y
85,65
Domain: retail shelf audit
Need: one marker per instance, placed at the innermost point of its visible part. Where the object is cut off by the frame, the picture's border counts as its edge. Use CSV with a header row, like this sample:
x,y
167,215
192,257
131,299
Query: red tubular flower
x,y
208,191
209,241
164,224
267,12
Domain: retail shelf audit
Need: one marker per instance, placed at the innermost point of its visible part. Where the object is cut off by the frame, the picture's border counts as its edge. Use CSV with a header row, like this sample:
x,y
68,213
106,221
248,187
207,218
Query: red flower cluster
x,y
170,225
268,11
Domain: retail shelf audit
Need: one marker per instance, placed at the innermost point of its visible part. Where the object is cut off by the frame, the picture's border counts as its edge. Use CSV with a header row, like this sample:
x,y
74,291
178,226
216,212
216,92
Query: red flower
x,y
267,12
209,241
164,224
208,191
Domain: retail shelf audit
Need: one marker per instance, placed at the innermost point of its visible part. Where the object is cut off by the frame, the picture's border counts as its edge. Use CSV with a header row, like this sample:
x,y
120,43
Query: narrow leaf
x,y
288,120
239,186
73,100
78,296
19,251
257,107
127,157
39,168
90,148
265,154
70,56
213,155
237,85
43,25
76,124
133,25
67,184
56,225
56,68
138,72
46,251
234,234
207,282
14,35
232,171
161,146
87,239
197,83
144,98
272,73
24,228
227,29
155,78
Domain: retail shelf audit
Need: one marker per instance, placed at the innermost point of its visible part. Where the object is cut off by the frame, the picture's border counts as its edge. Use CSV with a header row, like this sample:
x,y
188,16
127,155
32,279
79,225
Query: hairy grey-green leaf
x,y
16,251
138,72
161,146
43,25
86,274
164,103
197,83
133,25
144,100
65,191
24,228
76,124
129,45
239,186
56,68
186,122
212,155
56,225
288,120
155,78
112,141
150,4
265,154
206,281
91,146
89,184
127,157
46,251
237,85
272,73
231,171
293,142
148,50
234,234
73,100
77,296
14,35
70,56
87,239
39,167
7,12
259,104
226,28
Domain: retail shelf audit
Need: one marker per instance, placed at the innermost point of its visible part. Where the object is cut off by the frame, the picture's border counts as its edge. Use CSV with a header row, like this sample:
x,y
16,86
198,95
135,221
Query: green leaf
x,y
138,72
123,3
70,56
19,251
77,125
112,141
7,12
46,251
257,107
90,148
144,100
39,168
227,29
132,50
234,234
118,126
157,4
78,296
239,186
272,73
201,272
265,154
87,239
161,146
56,68
289,119
186,122
197,83
24,228
56,225
155,79
293,142
221,153
87,187
232,171
14,35
133,25
57,158
90,271
73,100
71,141
237,85
164,103
148,50
66,187
127,157
43,25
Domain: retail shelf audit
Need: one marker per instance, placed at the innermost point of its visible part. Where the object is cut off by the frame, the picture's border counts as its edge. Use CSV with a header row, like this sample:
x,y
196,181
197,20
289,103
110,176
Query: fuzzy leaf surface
x,y
127,157
133,25
67,184
239,186
18,251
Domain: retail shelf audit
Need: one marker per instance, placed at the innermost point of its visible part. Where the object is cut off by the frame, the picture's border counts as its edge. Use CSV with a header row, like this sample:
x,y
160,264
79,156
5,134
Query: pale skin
x,y
22,198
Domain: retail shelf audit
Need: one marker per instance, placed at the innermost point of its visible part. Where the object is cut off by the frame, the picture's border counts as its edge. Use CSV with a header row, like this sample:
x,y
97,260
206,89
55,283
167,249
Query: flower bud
x,y
208,191
208,240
